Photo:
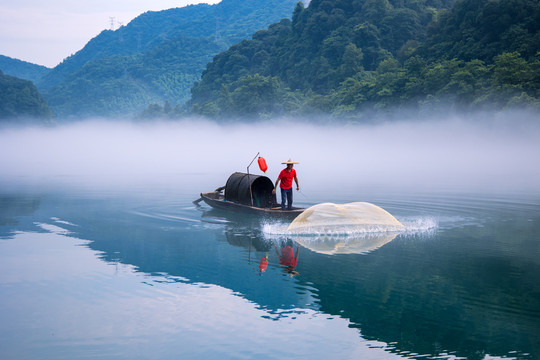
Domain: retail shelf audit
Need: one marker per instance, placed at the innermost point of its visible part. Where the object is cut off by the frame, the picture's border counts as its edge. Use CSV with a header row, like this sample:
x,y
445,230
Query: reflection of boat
x,y
358,244
248,193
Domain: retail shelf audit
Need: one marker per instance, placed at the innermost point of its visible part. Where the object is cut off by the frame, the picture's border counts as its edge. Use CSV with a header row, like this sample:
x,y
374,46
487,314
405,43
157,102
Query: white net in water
x,y
354,244
352,218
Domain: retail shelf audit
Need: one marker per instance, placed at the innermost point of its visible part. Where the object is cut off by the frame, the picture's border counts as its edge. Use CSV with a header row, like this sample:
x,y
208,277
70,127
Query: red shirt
x,y
287,257
286,178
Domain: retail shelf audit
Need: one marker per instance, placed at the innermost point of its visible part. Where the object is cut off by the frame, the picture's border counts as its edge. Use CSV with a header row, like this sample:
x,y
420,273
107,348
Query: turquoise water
x,y
144,273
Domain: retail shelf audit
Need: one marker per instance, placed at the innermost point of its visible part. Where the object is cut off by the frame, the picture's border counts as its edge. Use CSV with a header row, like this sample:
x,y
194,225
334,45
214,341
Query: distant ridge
x,y
22,69
141,34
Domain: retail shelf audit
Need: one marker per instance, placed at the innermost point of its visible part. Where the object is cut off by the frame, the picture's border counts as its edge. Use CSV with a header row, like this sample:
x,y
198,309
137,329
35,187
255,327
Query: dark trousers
x,y
286,195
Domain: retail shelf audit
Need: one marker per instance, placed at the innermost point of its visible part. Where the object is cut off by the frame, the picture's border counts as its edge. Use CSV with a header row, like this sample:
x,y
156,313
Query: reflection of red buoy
x,y
263,264
262,164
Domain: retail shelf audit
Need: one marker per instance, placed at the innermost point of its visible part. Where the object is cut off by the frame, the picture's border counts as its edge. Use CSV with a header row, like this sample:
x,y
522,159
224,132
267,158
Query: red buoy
x,y
262,164
263,264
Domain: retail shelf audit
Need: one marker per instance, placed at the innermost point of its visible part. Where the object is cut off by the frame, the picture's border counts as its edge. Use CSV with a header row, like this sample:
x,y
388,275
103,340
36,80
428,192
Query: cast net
x,y
347,219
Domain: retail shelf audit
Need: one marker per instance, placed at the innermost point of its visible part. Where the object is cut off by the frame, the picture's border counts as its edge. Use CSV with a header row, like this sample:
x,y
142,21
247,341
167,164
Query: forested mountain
x,y
485,29
20,99
157,56
353,57
22,69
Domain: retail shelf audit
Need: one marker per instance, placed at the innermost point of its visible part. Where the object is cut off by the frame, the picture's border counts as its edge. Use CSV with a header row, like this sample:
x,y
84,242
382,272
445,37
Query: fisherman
x,y
286,177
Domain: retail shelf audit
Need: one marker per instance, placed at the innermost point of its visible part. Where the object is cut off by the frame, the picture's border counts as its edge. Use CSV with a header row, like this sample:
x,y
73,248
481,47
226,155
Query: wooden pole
x,y
249,179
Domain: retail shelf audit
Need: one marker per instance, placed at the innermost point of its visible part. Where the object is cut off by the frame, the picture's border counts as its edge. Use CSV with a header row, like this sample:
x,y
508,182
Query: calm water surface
x,y
146,274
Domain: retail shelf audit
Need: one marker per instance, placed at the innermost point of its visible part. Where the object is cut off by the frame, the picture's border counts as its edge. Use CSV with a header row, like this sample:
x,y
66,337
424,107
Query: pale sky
x,y
46,32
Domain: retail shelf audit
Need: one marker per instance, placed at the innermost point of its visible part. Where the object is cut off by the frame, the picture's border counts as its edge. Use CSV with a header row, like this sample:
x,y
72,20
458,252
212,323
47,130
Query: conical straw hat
x,y
290,162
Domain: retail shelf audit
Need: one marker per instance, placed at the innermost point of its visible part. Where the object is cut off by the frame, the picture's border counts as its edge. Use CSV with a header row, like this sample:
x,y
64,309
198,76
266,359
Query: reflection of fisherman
x,y
286,177
287,257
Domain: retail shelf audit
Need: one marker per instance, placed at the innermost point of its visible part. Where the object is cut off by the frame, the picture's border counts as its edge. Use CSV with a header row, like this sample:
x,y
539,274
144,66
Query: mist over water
x,y
488,153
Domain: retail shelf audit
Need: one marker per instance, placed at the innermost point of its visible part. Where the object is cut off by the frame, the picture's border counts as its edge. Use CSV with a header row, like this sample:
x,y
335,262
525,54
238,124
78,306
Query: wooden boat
x,y
217,200
251,194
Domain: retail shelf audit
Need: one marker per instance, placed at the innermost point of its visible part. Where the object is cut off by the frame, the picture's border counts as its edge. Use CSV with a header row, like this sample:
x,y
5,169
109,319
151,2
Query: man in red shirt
x,y
286,177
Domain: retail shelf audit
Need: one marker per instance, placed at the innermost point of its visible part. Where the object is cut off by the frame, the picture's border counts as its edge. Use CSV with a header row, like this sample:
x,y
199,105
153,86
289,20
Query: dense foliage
x,y
157,56
22,69
20,99
485,29
352,57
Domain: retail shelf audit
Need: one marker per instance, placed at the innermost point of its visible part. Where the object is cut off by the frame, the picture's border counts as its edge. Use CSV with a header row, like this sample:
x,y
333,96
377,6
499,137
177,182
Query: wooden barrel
x,y
237,190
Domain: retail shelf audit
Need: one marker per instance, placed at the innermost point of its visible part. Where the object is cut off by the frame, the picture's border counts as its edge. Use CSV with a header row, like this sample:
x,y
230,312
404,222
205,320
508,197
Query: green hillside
x,y
140,35
20,100
363,57
22,69
156,57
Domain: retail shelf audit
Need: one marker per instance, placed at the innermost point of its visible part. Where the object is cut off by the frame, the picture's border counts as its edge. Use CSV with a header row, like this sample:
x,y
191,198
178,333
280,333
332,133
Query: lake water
x,y
106,267
94,274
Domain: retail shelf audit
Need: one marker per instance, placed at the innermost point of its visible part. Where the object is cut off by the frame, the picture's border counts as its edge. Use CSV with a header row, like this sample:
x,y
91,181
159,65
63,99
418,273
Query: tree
x,y
351,61
511,70
257,95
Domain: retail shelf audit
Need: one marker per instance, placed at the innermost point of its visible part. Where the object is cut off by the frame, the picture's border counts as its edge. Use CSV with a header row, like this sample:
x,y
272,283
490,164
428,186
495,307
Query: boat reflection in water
x,y
248,236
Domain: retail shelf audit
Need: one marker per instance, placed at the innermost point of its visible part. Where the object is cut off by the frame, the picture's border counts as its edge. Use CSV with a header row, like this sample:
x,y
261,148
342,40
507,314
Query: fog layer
x,y
465,153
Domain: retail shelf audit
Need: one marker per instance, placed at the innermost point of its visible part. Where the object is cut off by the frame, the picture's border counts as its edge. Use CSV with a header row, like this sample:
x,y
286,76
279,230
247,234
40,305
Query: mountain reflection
x,y
15,206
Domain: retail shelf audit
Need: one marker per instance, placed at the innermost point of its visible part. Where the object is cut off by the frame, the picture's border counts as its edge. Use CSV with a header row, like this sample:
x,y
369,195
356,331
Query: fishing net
x,y
352,218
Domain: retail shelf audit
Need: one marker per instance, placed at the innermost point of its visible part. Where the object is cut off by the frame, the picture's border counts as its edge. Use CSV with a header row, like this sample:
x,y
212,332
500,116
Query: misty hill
x,y
22,69
353,57
140,35
157,56
20,99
